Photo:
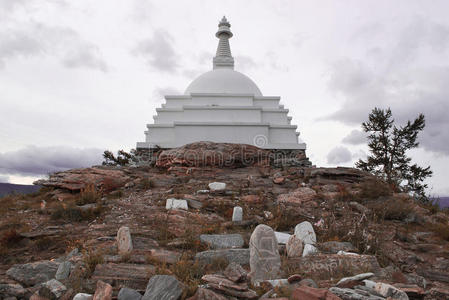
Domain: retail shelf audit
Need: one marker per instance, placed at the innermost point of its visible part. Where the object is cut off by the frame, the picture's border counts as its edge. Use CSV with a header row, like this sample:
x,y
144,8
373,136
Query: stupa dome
x,y
223,81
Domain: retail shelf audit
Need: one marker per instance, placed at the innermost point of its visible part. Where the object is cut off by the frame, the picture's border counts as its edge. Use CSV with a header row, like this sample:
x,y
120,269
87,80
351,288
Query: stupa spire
x,y
223,58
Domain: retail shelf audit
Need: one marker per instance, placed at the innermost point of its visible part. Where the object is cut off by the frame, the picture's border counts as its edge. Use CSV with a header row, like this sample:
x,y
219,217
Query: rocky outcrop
x,y
33,273
212,154
77,179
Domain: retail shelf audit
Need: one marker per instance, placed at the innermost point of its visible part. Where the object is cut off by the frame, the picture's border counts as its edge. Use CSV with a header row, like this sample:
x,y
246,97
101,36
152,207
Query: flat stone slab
x,y
33,273
239,256
333,265
133,276
173,203
222,241
163,287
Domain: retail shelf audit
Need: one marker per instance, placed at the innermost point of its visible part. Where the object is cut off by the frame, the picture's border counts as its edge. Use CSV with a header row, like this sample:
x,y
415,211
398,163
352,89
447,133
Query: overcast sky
x,y
79,77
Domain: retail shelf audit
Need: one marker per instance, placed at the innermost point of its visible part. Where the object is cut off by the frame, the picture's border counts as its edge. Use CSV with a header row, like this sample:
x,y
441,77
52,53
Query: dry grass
x,y
88,194
92,259
283,219
441,230
71,213
10,238
110,184
393,208
374,189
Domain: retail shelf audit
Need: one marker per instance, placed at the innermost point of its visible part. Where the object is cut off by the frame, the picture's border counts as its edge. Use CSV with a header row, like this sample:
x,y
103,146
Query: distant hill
x,y
443,201
8,188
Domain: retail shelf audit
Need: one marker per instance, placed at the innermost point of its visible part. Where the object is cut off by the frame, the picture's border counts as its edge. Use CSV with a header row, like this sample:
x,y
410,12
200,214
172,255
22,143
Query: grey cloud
x,y
355,137
87,56
158,51
34,38
244,62
419,86
33,160
339,155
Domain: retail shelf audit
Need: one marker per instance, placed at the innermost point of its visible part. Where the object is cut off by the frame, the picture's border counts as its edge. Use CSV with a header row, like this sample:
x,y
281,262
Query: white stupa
x,y
222,105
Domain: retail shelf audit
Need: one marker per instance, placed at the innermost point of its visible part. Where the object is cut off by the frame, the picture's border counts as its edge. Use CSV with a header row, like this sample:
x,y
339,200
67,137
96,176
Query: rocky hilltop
x,y
221,221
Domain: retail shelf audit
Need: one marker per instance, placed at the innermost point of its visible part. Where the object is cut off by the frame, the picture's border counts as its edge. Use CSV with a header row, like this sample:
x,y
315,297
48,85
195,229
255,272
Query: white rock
x,y
304,231
341,252
83,296
124,241
282,237
173,203
217,186
202,191
237,214
309,249
386,290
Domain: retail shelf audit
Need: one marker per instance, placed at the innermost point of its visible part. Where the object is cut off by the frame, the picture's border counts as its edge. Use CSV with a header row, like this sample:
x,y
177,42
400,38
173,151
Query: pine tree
x,y
388,145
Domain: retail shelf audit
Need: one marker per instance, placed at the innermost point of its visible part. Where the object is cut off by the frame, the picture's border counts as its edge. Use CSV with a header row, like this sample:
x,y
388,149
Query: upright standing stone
x,y
265,261
124,241
103,291
237,214
304,231
63,270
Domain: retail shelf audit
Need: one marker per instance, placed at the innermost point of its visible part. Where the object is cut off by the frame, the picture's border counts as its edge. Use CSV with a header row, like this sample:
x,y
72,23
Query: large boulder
x,y
33,273
212,154
265,261
304,231
77,179
163,287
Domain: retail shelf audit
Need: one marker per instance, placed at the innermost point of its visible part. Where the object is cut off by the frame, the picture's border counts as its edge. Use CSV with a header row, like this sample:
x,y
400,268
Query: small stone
x,y
235,272
217,186
282,237
278,180
128,294
73,253
294,247
265,261
251,199
194,204
344,281
63,270
224,282
103,291
268,215
237,214
52,289
124,241
341,252
173,203
309,249
83,296
222,241
163,287
304,231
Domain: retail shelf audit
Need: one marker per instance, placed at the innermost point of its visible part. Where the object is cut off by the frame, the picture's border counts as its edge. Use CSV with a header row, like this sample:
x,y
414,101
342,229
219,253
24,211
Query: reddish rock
x,y
278,180
235,272
77,179
251,199
212,154
437,294
298,196
294,278
103,291
309,293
